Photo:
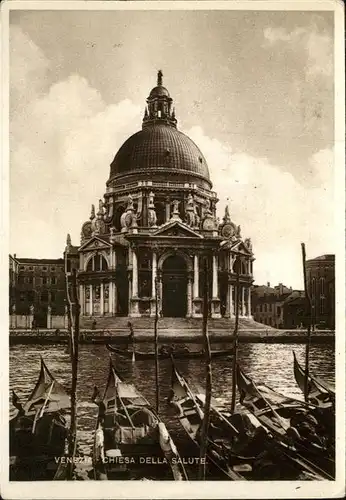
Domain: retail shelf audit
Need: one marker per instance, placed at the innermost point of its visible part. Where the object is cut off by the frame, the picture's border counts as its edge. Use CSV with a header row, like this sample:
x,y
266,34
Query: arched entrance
x,y
174,287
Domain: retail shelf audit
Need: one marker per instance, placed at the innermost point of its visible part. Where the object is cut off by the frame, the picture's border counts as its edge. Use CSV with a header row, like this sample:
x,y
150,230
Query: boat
x,y
239,447
295,426
131,441
166,351
38,431
320,393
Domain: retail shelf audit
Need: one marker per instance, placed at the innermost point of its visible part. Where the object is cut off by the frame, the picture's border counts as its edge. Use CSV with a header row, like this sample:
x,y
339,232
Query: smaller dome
x,y
159,91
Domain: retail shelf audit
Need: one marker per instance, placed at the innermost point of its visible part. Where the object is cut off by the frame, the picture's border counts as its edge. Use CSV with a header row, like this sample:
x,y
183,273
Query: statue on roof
x,y
226,217
248,243
159,77
92,215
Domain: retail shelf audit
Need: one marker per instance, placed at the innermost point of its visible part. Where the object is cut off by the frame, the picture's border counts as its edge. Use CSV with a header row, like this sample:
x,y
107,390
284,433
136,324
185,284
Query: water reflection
x,y
268,363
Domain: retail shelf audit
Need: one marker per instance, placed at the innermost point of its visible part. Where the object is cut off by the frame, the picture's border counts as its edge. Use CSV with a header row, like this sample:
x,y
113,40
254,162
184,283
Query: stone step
x,y
169,323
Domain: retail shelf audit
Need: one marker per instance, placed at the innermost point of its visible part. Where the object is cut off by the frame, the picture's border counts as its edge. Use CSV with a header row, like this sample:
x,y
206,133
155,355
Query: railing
x,y
168,184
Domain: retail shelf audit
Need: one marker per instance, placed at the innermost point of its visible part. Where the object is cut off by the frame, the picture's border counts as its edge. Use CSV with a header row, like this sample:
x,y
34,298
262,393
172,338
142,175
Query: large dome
x,y
159,147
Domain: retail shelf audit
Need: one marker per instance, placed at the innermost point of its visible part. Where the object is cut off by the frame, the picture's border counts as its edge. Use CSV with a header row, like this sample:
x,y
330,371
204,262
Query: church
x,y
147,237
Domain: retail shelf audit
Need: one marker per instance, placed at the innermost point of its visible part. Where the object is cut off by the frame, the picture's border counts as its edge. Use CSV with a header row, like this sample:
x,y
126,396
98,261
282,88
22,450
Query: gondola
x,y
38,431
295,426
319,393
131,441
167,352
239,447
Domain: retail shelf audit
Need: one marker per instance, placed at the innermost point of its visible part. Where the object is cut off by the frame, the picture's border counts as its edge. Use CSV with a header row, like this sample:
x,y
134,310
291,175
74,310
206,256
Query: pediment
x,y
236,246
176,229
95,243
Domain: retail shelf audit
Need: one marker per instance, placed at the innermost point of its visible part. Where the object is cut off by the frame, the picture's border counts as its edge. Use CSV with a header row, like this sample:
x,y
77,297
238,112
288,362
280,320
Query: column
x,y
168,210
231,303
195,277
49,318
249,302
227,309
115,299
134,275
215,291
111,298
102,309
242,301
91,300
189,297
153,274
81,299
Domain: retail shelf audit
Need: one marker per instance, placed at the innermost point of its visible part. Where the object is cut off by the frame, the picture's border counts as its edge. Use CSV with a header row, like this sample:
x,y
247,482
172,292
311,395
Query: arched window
x,y
97,263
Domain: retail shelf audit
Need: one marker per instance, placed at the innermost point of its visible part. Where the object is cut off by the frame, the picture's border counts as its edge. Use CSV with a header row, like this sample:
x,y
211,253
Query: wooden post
x,y
310,322
156,320
208,379
74,362
235,341
69,310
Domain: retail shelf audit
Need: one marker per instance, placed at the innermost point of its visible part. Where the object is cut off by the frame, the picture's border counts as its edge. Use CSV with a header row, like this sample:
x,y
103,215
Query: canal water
x,y
268,363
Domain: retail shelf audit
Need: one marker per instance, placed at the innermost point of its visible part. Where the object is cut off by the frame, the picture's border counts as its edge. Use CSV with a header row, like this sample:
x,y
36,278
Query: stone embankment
x,y
192,335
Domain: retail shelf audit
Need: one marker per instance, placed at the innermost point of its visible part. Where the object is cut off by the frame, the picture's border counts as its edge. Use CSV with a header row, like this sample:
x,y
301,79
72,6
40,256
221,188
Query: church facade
x,y
145,244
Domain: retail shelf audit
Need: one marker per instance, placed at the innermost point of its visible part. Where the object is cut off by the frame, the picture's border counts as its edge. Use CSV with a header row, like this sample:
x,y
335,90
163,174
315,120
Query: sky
x,y
254,90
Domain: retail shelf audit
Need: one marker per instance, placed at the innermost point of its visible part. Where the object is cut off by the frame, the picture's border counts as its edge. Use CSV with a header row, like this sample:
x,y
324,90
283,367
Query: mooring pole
x,y
156,320
310,322
235,341
208,375
69,311
74,362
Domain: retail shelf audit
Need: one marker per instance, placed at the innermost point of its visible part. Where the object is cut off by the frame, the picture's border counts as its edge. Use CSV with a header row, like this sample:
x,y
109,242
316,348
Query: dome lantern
x,y
159,105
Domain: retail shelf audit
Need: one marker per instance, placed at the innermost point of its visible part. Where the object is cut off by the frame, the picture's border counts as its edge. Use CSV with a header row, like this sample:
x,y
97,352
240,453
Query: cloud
x,y
28,67
275,210
317,45
61,144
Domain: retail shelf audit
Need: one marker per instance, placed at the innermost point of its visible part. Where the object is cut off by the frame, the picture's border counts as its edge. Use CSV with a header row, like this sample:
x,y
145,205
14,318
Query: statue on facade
x,y
190,211
237,232
49,310
197,217
127,218
31,309
175,212
109,207
152,218
112,234
207,207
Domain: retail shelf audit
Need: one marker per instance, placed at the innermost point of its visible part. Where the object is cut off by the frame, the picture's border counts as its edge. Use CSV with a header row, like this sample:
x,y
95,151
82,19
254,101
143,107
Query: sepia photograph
x,y
176,261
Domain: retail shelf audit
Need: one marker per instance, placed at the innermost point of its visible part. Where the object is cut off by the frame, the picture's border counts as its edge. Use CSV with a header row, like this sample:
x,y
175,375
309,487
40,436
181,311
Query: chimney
x,y
14,255
281,289
268,284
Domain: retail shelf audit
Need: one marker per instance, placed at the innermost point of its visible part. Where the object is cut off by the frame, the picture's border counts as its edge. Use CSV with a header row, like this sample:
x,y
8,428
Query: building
x,y
279,306
154,227
40,289
321,283
37,290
